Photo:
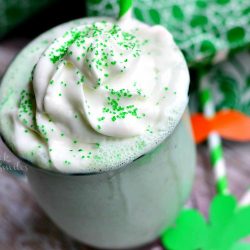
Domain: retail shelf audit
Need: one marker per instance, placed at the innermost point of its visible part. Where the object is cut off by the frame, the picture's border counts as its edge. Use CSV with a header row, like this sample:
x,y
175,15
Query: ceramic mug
x,y
122,208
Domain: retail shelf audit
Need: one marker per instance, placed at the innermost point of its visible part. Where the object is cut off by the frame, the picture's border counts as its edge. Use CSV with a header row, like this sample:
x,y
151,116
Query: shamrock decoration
x,y
227,225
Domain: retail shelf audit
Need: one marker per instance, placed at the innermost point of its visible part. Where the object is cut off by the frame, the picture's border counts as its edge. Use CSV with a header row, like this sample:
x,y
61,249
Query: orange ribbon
x,y
229,124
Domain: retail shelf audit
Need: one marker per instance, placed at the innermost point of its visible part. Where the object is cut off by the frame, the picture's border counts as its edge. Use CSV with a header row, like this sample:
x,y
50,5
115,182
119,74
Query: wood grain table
x,y
24,226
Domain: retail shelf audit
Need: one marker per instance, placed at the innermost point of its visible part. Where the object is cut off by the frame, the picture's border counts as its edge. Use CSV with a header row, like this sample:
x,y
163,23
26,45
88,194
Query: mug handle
x,y
10,163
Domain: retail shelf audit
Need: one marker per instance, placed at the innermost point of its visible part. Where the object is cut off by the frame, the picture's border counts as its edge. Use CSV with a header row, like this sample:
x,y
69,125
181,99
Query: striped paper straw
x,y
214,140
125,8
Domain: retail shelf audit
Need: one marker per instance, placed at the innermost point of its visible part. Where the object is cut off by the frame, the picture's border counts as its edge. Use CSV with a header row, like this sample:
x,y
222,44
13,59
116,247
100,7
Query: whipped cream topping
x,y
101,88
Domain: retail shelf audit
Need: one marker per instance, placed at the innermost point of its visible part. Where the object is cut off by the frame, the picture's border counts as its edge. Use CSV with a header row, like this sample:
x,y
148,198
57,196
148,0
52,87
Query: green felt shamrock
x,y
227,225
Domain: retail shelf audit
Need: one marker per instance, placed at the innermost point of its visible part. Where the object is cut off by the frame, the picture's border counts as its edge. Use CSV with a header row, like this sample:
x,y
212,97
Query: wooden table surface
x,y
24,226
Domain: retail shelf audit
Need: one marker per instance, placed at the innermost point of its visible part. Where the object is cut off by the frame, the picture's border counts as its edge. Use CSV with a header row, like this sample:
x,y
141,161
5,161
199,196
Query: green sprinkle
x,y
101,118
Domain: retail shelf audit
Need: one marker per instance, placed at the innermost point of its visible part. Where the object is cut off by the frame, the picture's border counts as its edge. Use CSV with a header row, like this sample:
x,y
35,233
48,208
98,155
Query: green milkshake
x,y
96,108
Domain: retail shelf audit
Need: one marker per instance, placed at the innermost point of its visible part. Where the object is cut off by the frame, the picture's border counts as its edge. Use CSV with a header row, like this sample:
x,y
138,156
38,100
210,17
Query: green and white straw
x,y
125,8
214,140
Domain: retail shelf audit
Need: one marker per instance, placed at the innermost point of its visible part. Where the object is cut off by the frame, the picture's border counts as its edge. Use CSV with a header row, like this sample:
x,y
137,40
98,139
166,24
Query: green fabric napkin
x,y
230,83
13,12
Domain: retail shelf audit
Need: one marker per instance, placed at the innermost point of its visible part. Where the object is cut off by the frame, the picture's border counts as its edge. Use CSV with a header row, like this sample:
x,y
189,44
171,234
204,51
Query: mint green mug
x,y
121,208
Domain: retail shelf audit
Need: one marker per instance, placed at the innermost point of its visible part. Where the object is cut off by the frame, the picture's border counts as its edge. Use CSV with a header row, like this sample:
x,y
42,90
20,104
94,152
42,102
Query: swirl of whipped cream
x,y
101,87
101,74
